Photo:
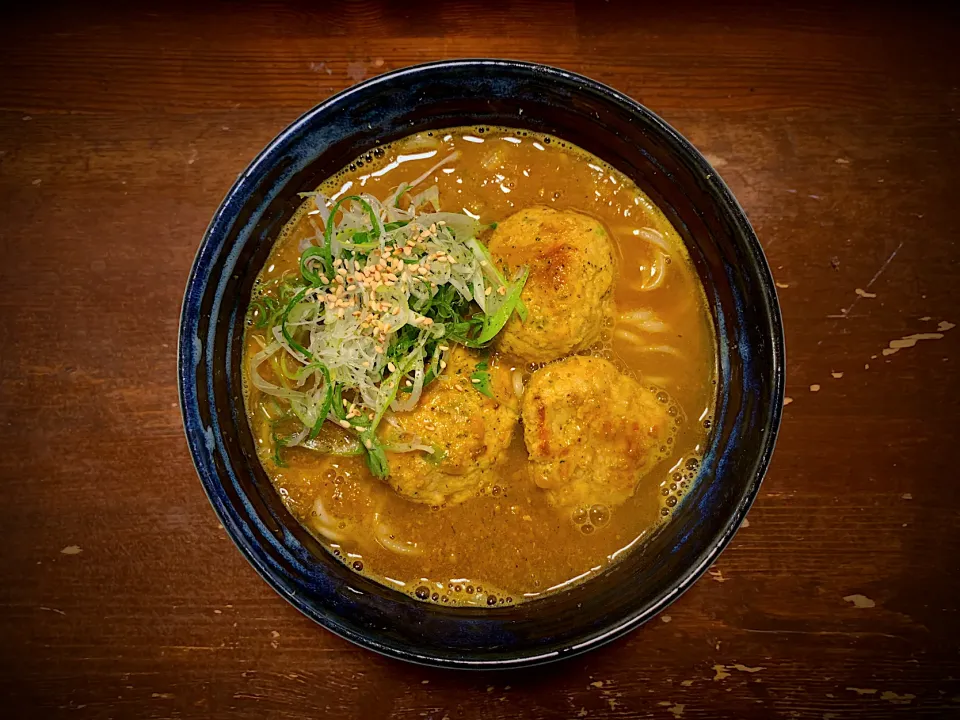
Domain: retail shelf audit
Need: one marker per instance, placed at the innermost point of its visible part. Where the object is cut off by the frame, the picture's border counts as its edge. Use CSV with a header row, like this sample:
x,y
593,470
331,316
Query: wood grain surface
x,y
122,127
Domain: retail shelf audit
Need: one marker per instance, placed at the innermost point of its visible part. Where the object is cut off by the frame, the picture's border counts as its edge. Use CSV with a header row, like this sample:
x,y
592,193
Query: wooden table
x,y
120,131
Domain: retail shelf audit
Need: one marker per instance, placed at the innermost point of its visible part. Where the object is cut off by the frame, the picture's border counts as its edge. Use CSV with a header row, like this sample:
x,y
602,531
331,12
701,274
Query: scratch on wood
x,y
845,313
841,633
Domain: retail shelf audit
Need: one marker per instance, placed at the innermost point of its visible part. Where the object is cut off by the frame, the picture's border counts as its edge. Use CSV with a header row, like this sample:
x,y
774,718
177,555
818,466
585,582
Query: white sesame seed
x,y
475,381
344,423
391,367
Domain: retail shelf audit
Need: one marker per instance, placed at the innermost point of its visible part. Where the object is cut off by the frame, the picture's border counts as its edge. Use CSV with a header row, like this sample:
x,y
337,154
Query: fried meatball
x,y
569,293
591,432
469,431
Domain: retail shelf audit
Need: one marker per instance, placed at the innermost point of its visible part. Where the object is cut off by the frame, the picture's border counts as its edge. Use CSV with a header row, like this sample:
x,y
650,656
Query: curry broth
x,y
510,544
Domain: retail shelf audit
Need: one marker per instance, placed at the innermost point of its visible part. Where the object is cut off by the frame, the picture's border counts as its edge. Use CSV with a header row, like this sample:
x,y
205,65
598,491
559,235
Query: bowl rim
x,y
725,200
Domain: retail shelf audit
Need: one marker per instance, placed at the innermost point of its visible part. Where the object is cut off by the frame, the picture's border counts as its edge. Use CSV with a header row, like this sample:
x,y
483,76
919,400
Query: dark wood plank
x,y
121,129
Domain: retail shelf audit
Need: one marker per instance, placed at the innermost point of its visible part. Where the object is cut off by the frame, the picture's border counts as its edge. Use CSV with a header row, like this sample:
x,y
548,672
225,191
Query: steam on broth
x,y
479,366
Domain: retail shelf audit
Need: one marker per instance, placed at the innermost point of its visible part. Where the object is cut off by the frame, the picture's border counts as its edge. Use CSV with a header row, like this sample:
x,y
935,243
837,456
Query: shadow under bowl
x,y
725,253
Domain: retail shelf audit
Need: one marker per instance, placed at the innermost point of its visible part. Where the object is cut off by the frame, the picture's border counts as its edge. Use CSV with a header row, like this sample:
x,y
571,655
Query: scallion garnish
x,y
383,294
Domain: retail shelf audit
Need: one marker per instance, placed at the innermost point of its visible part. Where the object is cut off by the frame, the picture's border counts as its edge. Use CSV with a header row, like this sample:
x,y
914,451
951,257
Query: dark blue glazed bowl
x,y
728,259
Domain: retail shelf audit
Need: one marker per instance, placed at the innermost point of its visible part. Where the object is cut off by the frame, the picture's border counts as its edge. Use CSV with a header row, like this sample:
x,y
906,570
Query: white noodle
x,y
326,524
658,380
635,339
654,237
667,349
630,337
329,533
658,271
392,544
644,320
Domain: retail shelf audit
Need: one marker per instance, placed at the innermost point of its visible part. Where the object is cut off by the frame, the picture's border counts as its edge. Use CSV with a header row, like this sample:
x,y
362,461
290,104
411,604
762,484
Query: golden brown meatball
x,y
569,293
591,432
470,431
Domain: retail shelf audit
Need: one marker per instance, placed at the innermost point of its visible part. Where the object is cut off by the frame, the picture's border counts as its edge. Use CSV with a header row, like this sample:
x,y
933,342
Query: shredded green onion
x,y
480,379
382,295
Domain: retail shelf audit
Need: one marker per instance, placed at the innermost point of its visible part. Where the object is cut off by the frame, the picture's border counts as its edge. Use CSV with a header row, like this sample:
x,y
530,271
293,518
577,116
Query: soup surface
x,y
530,460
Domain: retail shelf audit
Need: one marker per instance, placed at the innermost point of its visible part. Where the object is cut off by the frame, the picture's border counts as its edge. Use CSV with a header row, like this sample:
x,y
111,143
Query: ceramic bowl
x,y
726,254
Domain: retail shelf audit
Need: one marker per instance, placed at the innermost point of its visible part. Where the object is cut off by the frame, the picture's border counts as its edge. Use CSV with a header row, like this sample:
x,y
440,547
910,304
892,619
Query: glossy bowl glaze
x,y
727,257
